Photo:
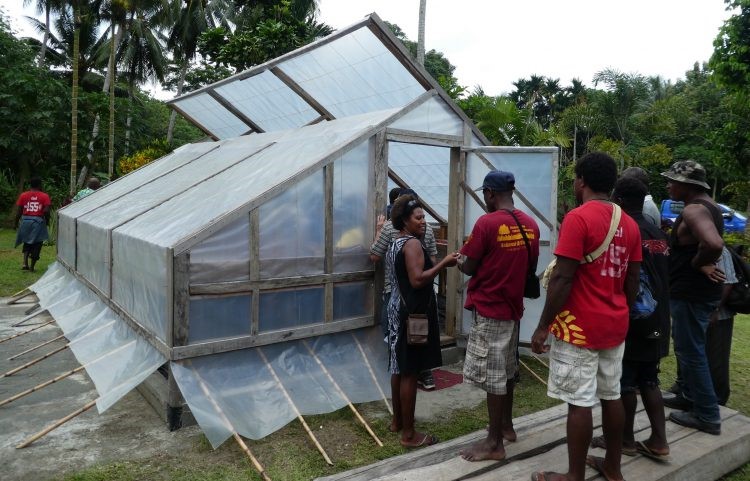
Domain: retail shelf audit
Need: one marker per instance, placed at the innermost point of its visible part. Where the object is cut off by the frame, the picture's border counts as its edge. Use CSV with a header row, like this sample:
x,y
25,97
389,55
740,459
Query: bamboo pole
x,y
30,316
26,332
40,386
294,407
37,347
343,395
532,372
32,362
19,295
56,424
541,362
22,291
372,374
237,437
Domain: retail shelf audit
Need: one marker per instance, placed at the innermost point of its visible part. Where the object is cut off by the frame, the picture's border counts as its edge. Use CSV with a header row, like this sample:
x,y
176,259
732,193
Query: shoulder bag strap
x,y
614,222
532,265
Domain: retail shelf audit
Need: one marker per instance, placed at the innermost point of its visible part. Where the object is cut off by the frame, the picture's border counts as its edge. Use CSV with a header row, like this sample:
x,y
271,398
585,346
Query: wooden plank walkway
x,y
695,456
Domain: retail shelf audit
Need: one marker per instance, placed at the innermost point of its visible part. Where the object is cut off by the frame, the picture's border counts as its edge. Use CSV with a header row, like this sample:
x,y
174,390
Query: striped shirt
x,y
388,234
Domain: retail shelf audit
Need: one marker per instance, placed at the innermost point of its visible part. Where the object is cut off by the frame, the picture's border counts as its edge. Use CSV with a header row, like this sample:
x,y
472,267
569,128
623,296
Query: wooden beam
x,y
401,183
190,119
297,89
453,307
316,120
181,301
237,287
233,110
473,195
423,138
379,172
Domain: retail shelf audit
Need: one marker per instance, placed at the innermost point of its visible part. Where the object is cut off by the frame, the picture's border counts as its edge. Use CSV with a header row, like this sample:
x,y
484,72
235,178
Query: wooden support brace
x,y
31,309
533,373
40,386
26,331
56,424
541,361
29,317
61,336
31,363
372,374
343,395
294,407
19,295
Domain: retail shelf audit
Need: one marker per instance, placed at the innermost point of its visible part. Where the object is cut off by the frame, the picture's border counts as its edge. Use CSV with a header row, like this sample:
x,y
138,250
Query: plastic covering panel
x,y
182,216
426,169
434,116
535,179
288,308
268,102
292,230
352,228
212,116
352,299
353,74
237,392
225,256
115,357
217,317
141,287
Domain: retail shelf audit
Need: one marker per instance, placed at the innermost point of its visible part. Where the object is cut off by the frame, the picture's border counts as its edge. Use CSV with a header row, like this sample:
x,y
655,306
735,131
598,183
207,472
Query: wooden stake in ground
x,y
19,295
541,362
294,407
31,363
26,331
30,316
343,395
56,425
40,386
237,437
372,374
533,373
61,336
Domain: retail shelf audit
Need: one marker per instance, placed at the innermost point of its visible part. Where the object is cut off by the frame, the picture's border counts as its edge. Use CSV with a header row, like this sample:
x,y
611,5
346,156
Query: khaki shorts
x,y
491,354
580,376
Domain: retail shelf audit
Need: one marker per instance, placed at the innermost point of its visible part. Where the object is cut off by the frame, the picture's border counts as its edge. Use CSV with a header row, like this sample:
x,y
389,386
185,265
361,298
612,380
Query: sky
x,y
493,43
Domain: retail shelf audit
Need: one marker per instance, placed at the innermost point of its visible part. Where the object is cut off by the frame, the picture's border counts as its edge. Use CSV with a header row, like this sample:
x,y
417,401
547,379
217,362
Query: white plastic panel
x,y
425,169
236,391
292,230
205,110
218,317
92,245
66,238
225,256
434,116
290,308
139,281
353,74
352,299
352,227
268,102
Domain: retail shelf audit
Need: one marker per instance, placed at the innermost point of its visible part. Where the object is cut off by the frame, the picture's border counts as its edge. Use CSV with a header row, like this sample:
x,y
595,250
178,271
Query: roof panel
x,y
213,116
425,169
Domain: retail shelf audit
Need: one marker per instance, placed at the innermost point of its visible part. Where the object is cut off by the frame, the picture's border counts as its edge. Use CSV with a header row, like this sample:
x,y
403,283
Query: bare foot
x,y
418,440
509,434
484,449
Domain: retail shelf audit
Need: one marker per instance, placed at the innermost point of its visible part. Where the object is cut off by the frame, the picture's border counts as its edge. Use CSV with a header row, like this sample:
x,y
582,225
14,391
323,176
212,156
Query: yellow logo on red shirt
x,y
510,236
564,329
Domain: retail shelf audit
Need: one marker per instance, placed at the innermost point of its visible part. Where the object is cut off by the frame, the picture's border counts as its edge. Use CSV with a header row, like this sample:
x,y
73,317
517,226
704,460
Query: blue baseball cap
x,y
499,181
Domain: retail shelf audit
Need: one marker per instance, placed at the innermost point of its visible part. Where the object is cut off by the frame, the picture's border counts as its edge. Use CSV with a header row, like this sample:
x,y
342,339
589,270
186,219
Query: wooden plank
x,y
297,89
453,290
379,174
328,218
244,342
235,287
423,138
181,301
401,183
473,195
328,302
234,111
316,120
229,217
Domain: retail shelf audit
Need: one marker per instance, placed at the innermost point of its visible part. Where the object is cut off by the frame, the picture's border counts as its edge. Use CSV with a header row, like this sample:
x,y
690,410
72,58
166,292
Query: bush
x,y
155,150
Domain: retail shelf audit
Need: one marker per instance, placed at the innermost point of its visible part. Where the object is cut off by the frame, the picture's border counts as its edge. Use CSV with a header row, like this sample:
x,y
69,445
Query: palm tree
x,y
48,7
625,93
505,124
420,34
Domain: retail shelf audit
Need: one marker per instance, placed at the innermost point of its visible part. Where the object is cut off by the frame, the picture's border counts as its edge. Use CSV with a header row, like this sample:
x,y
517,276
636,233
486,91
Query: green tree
x,y
624,94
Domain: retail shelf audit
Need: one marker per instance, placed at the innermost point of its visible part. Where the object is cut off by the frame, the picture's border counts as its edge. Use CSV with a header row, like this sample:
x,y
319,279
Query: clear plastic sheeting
x,y
236,391
209,113
434,117
289,308
114,356
225,256
352,299
219,317
425,169
352,229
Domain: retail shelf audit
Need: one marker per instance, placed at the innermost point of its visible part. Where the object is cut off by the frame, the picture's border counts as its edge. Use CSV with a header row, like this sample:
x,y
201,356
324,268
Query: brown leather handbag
x,y
417,328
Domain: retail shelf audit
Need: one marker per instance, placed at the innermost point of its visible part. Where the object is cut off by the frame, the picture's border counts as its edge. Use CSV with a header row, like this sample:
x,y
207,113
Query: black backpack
x,y
739,297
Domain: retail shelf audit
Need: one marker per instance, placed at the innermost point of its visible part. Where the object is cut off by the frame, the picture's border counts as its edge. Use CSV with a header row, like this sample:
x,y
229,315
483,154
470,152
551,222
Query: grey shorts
x,y
491,354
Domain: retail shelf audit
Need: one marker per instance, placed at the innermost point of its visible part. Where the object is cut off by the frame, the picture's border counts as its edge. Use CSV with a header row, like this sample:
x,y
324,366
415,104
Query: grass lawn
x,y
287,453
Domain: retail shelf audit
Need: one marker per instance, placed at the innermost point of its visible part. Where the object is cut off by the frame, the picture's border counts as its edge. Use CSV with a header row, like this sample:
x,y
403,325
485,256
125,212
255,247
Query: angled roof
x,y
359,69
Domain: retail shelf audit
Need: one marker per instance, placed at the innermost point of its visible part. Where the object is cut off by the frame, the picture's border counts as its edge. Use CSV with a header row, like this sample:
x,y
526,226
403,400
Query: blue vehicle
x,y
733,220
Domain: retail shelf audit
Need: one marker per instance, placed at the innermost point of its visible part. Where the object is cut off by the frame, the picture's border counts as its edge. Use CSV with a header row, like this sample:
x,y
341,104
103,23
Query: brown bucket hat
x,y
687,172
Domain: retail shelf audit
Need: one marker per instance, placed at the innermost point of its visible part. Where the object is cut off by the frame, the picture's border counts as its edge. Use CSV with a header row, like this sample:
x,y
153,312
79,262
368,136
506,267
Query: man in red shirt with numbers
x,y
587,311
32,217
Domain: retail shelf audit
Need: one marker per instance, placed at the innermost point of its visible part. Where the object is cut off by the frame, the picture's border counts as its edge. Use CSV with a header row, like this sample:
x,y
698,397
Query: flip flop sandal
x,y
427,440
598,442
641,448
597,464
541,475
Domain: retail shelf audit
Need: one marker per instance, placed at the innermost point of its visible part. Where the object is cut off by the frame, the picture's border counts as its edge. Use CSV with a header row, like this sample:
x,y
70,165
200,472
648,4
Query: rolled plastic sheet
x,y
115,357
237,391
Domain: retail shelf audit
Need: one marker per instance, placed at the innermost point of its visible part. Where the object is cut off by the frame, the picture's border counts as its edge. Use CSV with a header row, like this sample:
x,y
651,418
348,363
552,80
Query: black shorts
x,y
638,374
33,250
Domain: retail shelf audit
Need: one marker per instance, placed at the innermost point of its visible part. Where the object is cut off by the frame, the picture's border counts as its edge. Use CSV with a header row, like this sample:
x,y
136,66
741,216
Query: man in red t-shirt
x,y
32,217
497,259
587,311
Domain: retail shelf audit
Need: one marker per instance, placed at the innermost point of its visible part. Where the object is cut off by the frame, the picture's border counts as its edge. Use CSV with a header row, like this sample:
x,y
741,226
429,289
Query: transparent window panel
x,y
285,309
66,238
94,256
292,229
426,169
213,116
218,317
351,210
225,256
434,116
352,299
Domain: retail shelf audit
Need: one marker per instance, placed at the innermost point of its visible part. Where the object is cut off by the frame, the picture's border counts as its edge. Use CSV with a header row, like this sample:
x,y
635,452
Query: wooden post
x,y
26,332
453,288
379,199
294,407
31,363
56,424
61,336
372,374
343,395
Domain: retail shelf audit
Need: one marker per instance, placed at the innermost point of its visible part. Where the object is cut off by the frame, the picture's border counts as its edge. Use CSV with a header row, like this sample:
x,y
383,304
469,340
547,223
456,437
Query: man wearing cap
x,y
587,311
695,291
497,259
